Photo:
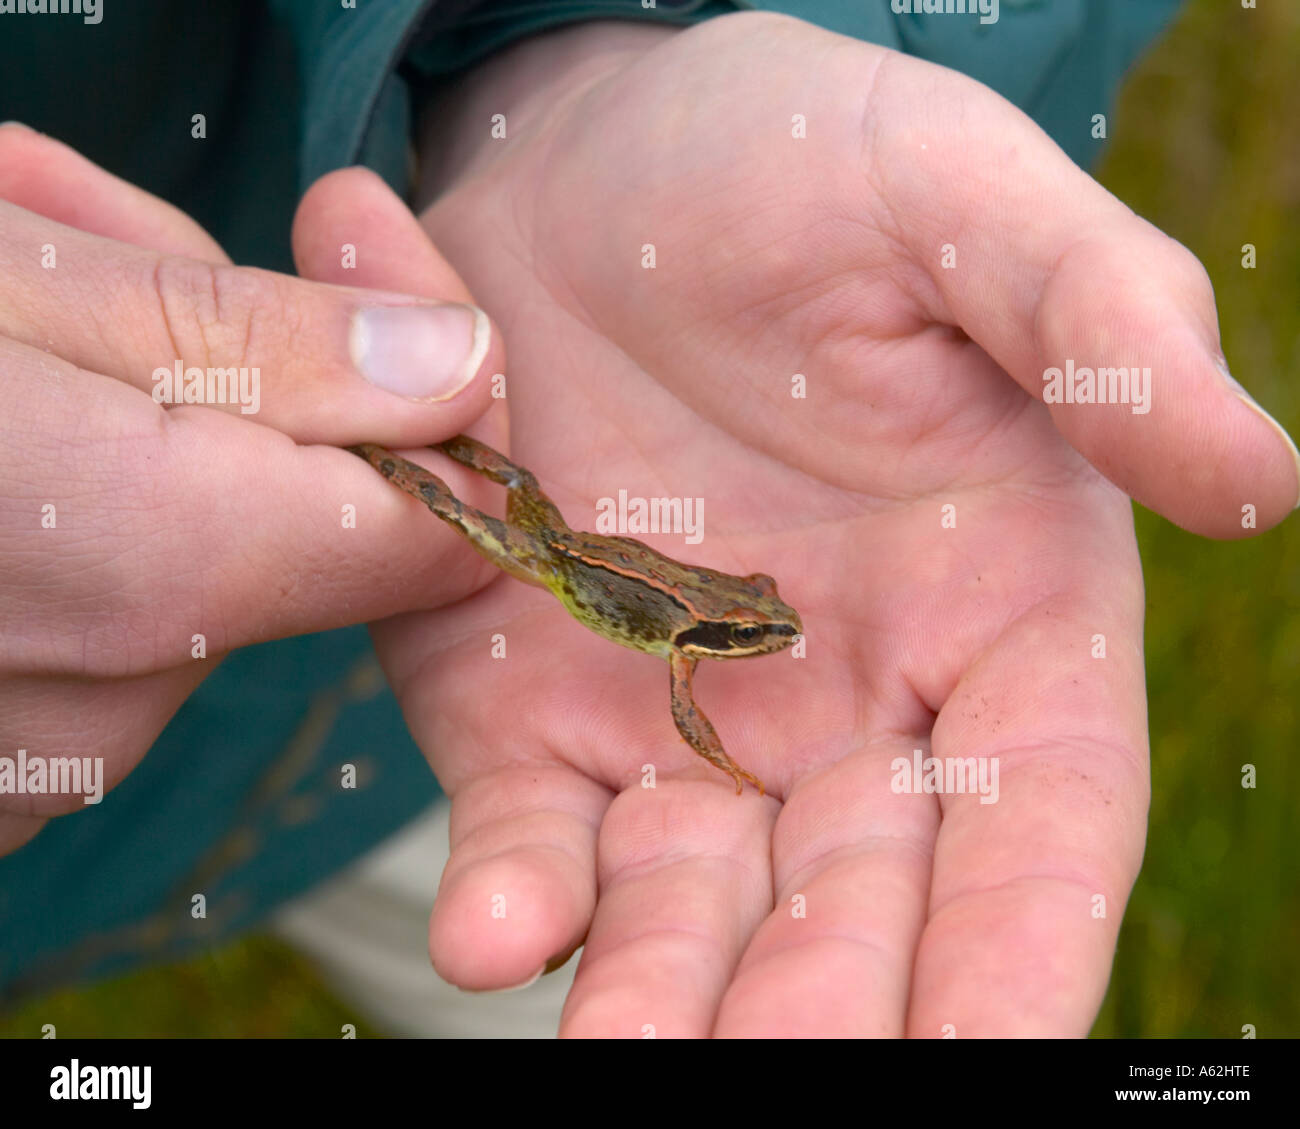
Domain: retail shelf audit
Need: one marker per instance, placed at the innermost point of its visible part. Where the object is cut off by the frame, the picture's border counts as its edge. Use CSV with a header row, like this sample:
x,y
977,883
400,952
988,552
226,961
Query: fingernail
x,y
509,988
1246,398
427,352
17,125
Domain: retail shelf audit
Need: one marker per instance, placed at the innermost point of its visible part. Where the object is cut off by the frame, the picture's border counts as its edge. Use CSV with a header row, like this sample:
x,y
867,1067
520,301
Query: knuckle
x,y
214,313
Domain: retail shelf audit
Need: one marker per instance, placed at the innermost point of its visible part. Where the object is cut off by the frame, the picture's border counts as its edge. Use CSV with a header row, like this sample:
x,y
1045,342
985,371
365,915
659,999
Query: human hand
x,y
824,257
131,530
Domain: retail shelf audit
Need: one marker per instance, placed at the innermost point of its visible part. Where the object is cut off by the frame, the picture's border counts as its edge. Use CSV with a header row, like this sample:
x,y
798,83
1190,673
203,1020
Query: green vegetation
x,y
254,988
1205,149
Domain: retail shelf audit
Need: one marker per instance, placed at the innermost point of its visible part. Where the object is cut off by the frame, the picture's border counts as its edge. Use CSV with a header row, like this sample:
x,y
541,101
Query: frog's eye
x,y
746,633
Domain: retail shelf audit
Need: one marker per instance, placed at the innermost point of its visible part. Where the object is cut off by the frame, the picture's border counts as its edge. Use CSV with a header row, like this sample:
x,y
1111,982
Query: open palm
x,y
861,266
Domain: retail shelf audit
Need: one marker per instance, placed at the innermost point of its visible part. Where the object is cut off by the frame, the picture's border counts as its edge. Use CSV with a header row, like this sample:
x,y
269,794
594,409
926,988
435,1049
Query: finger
x,y
323,364
351,230
1028,891
355,208
852,867
104,725
1085,286
519,888
15,830
47,177
129,530
684,879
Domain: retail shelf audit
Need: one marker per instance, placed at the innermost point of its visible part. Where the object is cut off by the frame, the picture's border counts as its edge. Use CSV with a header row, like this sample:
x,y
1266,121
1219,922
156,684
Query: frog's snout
x,y
787,630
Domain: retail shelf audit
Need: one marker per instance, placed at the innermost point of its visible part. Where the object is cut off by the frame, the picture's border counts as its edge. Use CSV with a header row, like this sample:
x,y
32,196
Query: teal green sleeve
x,y
1060,61
288,90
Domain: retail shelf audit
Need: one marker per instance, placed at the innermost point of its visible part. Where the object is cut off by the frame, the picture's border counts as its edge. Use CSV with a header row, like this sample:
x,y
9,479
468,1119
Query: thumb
x,y
1077,298
391,251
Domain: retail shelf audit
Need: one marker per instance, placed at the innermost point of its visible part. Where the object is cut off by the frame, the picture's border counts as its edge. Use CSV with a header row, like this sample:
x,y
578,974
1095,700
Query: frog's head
x,y
738,616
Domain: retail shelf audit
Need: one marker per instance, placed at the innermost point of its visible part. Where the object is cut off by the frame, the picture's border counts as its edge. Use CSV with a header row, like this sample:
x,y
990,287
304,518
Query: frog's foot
x,y
740,775
718,758
732,769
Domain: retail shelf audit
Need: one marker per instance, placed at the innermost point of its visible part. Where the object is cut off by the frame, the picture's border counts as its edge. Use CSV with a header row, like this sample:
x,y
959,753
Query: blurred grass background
x,y
1204,146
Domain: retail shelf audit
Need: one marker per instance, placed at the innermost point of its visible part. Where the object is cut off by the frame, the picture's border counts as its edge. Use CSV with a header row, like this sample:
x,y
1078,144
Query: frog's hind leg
x,y
507,548
482,458
526,505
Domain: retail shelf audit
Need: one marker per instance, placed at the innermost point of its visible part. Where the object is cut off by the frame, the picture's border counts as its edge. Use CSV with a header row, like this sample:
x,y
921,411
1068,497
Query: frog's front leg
x,y
697,729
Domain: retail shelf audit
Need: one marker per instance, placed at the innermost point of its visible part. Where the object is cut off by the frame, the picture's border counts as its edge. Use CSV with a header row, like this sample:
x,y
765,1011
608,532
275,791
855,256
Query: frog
x,y
618,587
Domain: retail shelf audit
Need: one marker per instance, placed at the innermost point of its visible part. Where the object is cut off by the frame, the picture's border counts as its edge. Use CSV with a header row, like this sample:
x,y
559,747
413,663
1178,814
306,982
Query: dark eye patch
x,y
715,636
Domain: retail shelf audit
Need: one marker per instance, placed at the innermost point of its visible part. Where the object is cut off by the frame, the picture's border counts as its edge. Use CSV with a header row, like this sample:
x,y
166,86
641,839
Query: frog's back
x,y
617,587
